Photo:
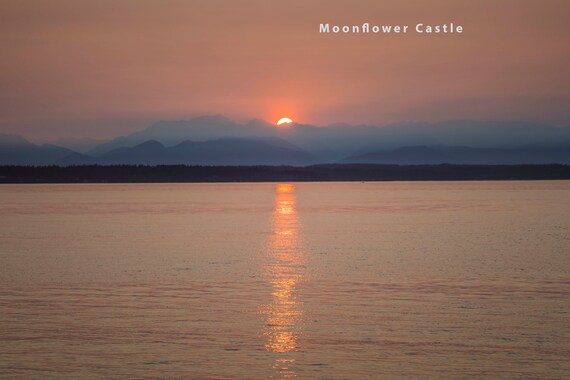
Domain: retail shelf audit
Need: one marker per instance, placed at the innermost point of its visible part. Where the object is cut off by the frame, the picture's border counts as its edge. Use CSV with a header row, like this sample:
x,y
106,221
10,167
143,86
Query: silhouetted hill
x,y
335,142
148,153
76,159
170,133
80,145
424,155
215,140
13,140
16,150
229,151
243,152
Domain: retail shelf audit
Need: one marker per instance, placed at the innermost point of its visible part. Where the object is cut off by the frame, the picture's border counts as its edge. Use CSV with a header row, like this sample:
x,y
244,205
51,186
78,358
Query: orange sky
x,y
101,68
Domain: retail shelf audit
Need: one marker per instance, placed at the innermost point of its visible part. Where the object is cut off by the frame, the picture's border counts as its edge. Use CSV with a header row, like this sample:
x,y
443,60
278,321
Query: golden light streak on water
x,y
284,268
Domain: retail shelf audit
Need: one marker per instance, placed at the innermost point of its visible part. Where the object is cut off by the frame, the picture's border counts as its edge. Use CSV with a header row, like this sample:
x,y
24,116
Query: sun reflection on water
x,y
284,268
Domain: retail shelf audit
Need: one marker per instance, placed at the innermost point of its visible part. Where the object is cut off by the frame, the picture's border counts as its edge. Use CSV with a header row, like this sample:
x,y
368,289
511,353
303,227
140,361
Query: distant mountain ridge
x,y
12,140
336,142
229,151
81,145
433,155
216,140
16,150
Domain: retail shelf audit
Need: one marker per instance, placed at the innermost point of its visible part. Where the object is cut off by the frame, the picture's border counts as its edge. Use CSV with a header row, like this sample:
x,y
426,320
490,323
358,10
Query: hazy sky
x,y
105,67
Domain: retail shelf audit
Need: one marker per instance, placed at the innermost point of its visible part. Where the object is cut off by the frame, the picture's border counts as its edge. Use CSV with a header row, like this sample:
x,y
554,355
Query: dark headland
x,y
329,172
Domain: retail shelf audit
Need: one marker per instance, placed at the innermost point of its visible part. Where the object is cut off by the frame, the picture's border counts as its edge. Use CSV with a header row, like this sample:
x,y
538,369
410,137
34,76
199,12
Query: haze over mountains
x,y
16,150
215,140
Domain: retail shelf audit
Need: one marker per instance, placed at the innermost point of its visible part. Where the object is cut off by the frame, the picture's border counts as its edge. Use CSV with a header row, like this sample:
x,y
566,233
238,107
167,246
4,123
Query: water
x,y
307,280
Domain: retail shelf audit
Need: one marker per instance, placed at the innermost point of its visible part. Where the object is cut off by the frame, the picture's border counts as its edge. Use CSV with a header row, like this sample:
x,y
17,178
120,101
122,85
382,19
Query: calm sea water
x,y
408,280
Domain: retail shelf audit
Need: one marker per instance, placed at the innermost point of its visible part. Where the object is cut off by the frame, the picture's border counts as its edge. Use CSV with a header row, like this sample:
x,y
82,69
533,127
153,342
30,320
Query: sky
x,y
103,68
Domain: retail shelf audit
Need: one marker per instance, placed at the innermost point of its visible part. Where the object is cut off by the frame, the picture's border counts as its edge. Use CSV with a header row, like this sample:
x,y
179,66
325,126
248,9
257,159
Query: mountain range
x,y
16,150
228,151
216,140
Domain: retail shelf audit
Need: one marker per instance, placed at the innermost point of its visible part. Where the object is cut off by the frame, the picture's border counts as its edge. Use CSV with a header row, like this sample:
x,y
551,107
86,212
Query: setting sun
x,y
284,120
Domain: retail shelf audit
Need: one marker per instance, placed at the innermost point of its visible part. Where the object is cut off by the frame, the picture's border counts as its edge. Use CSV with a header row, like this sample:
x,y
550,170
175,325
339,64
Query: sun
x,y
284,120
